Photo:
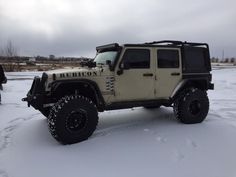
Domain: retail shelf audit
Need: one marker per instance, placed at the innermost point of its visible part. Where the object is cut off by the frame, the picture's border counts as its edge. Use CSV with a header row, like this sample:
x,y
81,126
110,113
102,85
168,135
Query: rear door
x,y
168,71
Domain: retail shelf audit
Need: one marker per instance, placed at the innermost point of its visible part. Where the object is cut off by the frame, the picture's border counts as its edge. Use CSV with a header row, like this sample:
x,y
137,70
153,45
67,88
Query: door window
x,y
168,58
137,58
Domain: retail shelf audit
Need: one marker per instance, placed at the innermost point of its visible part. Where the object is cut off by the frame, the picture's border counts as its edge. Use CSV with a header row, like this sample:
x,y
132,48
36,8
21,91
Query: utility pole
x,y
223,55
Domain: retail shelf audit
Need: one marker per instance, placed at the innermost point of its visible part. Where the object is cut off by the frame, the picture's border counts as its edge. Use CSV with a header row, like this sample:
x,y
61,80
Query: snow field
x,y
132,142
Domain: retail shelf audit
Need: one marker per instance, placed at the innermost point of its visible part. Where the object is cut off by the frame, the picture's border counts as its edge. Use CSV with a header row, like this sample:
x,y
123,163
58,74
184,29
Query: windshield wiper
x,y
100,63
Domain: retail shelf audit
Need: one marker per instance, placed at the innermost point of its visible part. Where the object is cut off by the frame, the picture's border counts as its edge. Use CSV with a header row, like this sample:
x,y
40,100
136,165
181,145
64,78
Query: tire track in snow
x,y
107,131
101,132
6,133
179,155
191,143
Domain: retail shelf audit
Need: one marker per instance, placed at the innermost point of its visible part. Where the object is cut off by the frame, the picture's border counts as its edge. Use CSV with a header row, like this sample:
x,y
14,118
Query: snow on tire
x,y
192,106
72,119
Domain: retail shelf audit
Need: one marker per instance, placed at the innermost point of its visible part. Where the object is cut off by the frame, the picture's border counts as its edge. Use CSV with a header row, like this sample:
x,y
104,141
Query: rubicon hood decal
x,y
79,74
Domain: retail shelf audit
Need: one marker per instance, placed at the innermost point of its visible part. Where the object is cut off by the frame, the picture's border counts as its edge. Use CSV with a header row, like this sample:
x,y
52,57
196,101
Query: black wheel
x,y
72,119
192,106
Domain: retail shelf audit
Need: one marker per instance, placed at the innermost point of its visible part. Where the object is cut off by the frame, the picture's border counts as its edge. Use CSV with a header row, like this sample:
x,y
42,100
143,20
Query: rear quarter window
x,y
196,60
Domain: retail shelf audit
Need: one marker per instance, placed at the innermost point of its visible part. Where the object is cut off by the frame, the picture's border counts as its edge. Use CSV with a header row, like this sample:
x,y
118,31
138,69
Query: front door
x,y
137,80
168,72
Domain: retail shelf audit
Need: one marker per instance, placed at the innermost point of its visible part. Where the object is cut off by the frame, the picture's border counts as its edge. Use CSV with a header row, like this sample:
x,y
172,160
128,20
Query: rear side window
x,y
137,58
167,58
196,59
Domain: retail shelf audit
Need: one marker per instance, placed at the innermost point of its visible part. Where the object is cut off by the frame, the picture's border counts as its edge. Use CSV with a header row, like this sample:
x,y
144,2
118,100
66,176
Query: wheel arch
x,y
201,84
83,87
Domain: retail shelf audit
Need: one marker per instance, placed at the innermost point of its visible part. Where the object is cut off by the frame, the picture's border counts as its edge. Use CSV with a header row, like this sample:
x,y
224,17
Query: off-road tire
x,y
46,112
192,106
65,115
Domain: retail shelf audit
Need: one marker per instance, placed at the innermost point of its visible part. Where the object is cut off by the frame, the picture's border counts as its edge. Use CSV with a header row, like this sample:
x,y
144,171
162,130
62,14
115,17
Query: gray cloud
x,y
75,28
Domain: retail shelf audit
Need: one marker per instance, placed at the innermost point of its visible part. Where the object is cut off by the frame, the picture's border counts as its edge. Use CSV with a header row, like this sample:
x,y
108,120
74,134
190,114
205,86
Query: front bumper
x,y
35,96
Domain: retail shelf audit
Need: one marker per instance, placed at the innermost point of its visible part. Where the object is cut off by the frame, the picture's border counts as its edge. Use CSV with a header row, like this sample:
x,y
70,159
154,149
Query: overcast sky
x,y
76,27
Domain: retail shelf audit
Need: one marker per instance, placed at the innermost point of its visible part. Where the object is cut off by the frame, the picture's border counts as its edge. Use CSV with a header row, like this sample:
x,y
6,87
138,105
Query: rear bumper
x,y
35,96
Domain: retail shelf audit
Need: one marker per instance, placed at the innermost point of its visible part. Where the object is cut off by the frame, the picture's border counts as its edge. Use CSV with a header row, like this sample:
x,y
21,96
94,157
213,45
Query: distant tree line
x,y
42,59
9,53
225,60
11,61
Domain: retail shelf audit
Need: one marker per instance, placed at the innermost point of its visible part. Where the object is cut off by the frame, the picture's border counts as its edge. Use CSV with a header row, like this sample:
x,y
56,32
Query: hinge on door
x,y
155,91
155,77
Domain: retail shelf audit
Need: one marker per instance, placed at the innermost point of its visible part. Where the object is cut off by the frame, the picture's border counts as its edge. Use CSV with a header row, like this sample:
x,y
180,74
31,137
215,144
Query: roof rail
x,y
176,43
165,41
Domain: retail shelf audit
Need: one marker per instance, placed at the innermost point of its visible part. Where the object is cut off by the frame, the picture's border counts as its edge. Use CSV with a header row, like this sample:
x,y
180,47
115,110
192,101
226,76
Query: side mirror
x,y
124,66
121,69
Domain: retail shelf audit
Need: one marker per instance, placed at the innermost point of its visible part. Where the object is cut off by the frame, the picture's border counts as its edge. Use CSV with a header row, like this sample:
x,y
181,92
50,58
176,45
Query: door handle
x,y
147,74
175,74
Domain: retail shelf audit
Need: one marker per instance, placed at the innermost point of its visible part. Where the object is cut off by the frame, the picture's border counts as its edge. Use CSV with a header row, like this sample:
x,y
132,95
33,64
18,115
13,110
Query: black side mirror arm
x,y
120,72
121,69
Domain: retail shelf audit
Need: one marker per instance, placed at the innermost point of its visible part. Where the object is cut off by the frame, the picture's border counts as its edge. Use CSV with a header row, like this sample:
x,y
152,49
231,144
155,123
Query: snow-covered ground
x,y
130,143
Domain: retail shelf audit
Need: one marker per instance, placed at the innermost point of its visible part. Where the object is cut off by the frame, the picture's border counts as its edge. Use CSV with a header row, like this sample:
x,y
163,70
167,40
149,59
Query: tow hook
x,y
24,99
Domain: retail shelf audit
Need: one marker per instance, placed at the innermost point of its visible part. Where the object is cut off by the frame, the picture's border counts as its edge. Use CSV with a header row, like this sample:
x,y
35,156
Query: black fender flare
x,y
201,83
100,103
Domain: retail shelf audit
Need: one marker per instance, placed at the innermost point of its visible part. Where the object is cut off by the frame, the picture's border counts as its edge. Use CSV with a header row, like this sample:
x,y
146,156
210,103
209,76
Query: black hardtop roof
x,y
171,43
163,43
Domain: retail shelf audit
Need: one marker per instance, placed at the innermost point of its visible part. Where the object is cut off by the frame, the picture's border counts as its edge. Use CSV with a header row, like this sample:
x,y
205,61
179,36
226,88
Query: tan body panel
x,y
166,82
131,85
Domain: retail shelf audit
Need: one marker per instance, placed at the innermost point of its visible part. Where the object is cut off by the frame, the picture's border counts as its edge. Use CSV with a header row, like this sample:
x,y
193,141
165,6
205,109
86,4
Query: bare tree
x,y
9,50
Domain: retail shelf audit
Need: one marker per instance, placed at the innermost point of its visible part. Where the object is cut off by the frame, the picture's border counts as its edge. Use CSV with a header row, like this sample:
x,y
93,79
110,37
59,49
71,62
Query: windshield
x,y
101,58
